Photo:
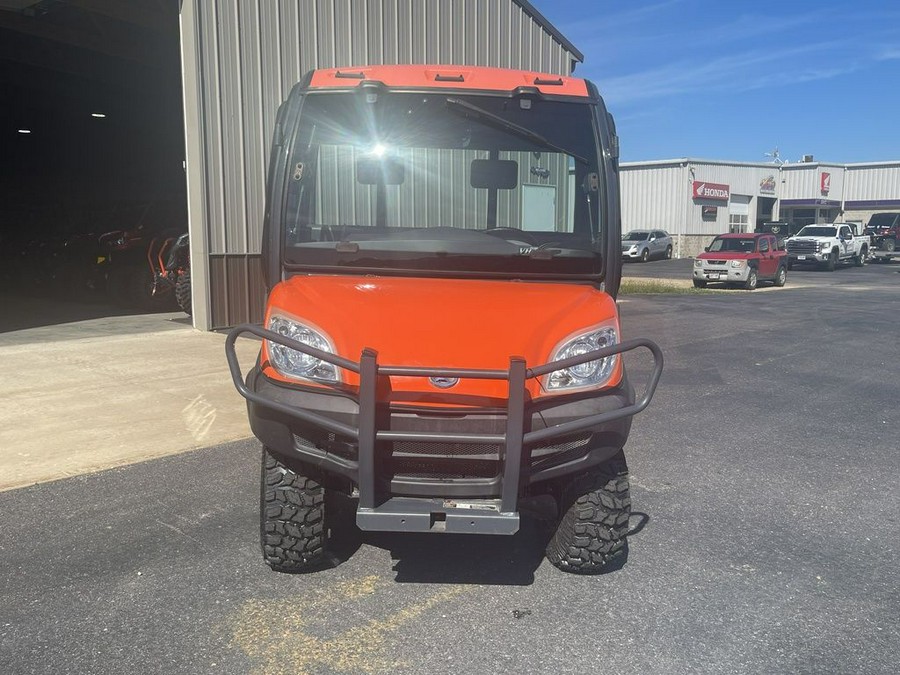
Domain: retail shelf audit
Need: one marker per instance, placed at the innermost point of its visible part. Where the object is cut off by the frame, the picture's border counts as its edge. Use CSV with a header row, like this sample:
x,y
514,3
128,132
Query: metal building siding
x,y
742,179
871,183
800,182
654,197
248,55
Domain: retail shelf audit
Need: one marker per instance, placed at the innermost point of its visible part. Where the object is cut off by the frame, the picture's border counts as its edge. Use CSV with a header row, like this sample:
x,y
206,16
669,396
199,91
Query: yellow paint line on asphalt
x,y
280,635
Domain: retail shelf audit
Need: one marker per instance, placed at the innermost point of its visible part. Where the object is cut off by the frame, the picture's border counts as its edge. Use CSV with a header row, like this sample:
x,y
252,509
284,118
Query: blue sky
x,y
724,79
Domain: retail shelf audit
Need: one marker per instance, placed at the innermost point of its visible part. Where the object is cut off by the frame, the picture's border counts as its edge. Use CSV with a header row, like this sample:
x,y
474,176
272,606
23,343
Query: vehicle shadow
x,y
818,268
479,559
467,558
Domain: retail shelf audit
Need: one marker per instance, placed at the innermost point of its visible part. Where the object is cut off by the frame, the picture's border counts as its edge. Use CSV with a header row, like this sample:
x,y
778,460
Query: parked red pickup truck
x,y
742,259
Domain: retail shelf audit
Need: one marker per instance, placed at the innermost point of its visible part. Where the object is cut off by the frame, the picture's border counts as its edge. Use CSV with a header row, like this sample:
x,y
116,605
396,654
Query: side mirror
x,y
706,248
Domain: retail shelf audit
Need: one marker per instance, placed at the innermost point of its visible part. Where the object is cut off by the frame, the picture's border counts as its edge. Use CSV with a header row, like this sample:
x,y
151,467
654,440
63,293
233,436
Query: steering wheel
x,y
516,236
548,244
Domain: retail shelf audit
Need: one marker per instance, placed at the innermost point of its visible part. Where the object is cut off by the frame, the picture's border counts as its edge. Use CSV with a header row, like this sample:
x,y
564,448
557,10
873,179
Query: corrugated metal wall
x,y
240,59
869,183
418,203
655,197
659,195
803,182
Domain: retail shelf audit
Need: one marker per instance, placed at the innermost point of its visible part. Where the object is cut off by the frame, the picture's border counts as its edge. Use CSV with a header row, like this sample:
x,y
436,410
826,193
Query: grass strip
x,y
656,286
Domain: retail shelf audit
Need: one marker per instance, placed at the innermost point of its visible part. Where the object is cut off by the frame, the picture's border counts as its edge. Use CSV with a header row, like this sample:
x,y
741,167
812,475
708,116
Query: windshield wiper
x,y
460,105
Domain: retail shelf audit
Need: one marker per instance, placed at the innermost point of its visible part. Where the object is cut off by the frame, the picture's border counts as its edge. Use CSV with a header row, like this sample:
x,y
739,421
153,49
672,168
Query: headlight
x,y
590,374
698,263
738,263
823,245
290,362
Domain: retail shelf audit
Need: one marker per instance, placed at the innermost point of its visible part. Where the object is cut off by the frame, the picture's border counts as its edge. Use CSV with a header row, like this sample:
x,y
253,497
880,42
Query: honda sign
x,y
713,191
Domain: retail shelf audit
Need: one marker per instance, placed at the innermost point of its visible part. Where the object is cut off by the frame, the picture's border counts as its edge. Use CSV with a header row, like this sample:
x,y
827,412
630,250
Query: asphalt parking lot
x,y
764,535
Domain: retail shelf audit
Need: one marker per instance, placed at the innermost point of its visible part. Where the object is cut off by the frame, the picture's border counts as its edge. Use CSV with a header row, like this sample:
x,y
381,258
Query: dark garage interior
x,y
91,168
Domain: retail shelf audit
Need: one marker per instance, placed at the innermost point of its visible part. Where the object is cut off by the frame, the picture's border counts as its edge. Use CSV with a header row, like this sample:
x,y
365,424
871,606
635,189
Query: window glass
x,y
443,182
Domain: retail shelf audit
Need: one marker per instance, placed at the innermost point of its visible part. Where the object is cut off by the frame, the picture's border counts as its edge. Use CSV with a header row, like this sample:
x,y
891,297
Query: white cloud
x,y
737,72
888,54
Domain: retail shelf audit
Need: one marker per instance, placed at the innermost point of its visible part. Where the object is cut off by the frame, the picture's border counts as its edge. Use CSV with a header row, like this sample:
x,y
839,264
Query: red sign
x,y
714,191
825,183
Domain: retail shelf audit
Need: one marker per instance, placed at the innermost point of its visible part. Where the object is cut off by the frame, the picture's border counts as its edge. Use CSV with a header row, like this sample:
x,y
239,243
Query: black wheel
x,y
645,255
183,291
752,280
291,517
699,284
668,252
590,536
860,259
831,263
780,276
889,245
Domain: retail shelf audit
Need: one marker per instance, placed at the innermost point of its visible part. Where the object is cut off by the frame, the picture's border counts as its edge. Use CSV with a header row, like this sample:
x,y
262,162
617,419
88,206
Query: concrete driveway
x,y
88,387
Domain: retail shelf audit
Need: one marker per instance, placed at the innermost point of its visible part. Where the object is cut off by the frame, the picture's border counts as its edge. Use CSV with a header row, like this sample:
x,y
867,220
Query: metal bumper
x,y
724,274
819,256
357,423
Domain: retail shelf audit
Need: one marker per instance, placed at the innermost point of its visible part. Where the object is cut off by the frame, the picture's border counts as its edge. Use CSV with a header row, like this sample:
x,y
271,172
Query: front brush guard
x,y
512,442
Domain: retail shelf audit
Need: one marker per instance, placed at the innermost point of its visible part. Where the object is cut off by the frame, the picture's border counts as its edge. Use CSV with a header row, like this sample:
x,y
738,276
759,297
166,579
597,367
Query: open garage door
x,y
91,176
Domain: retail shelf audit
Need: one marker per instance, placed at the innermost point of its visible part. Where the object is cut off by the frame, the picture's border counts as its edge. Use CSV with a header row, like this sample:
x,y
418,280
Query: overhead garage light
x,y
98,115
24,131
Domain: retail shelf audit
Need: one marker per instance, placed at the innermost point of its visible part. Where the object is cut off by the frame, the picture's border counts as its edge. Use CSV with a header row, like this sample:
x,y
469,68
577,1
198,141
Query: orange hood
x,y
442,323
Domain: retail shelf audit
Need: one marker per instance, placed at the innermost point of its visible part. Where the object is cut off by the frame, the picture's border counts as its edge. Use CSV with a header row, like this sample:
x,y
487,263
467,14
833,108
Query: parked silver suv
x,y
645,244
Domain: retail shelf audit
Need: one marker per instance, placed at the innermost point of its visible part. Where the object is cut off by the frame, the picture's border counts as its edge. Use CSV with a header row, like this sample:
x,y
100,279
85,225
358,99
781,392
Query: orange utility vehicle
x,y
441,338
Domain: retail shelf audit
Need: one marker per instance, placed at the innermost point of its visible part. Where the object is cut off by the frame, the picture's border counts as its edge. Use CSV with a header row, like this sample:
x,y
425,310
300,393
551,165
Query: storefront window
x,y
802,217
737,222
827,215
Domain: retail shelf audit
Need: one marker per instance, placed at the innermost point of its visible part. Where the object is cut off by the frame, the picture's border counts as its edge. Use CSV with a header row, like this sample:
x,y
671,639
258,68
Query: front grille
x,y
329,443
444,461
713,263
444,470
563,445
803,247
446,449
447,461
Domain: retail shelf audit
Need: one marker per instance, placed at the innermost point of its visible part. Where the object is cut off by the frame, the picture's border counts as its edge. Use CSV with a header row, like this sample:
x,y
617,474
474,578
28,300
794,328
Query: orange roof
x,y
449,77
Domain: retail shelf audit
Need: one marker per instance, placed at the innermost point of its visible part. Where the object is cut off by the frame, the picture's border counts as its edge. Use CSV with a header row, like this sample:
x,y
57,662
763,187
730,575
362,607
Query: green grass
x,y
637,286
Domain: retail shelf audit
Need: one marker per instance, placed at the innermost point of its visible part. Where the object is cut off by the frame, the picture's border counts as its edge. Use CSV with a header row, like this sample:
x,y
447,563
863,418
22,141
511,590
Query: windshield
x,y
443,182
733,244
880,220
817,231
636,236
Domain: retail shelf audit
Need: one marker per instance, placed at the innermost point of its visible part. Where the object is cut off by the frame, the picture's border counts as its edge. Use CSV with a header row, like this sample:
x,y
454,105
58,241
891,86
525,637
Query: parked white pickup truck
x,y
828,245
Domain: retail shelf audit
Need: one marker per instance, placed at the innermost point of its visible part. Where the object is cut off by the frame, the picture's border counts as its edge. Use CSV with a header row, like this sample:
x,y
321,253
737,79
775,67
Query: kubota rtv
x,y
441,339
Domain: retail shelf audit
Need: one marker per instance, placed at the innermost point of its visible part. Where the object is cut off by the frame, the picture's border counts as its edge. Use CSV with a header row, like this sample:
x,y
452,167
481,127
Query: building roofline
x,y
807,165
550,28
684,161
856,165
